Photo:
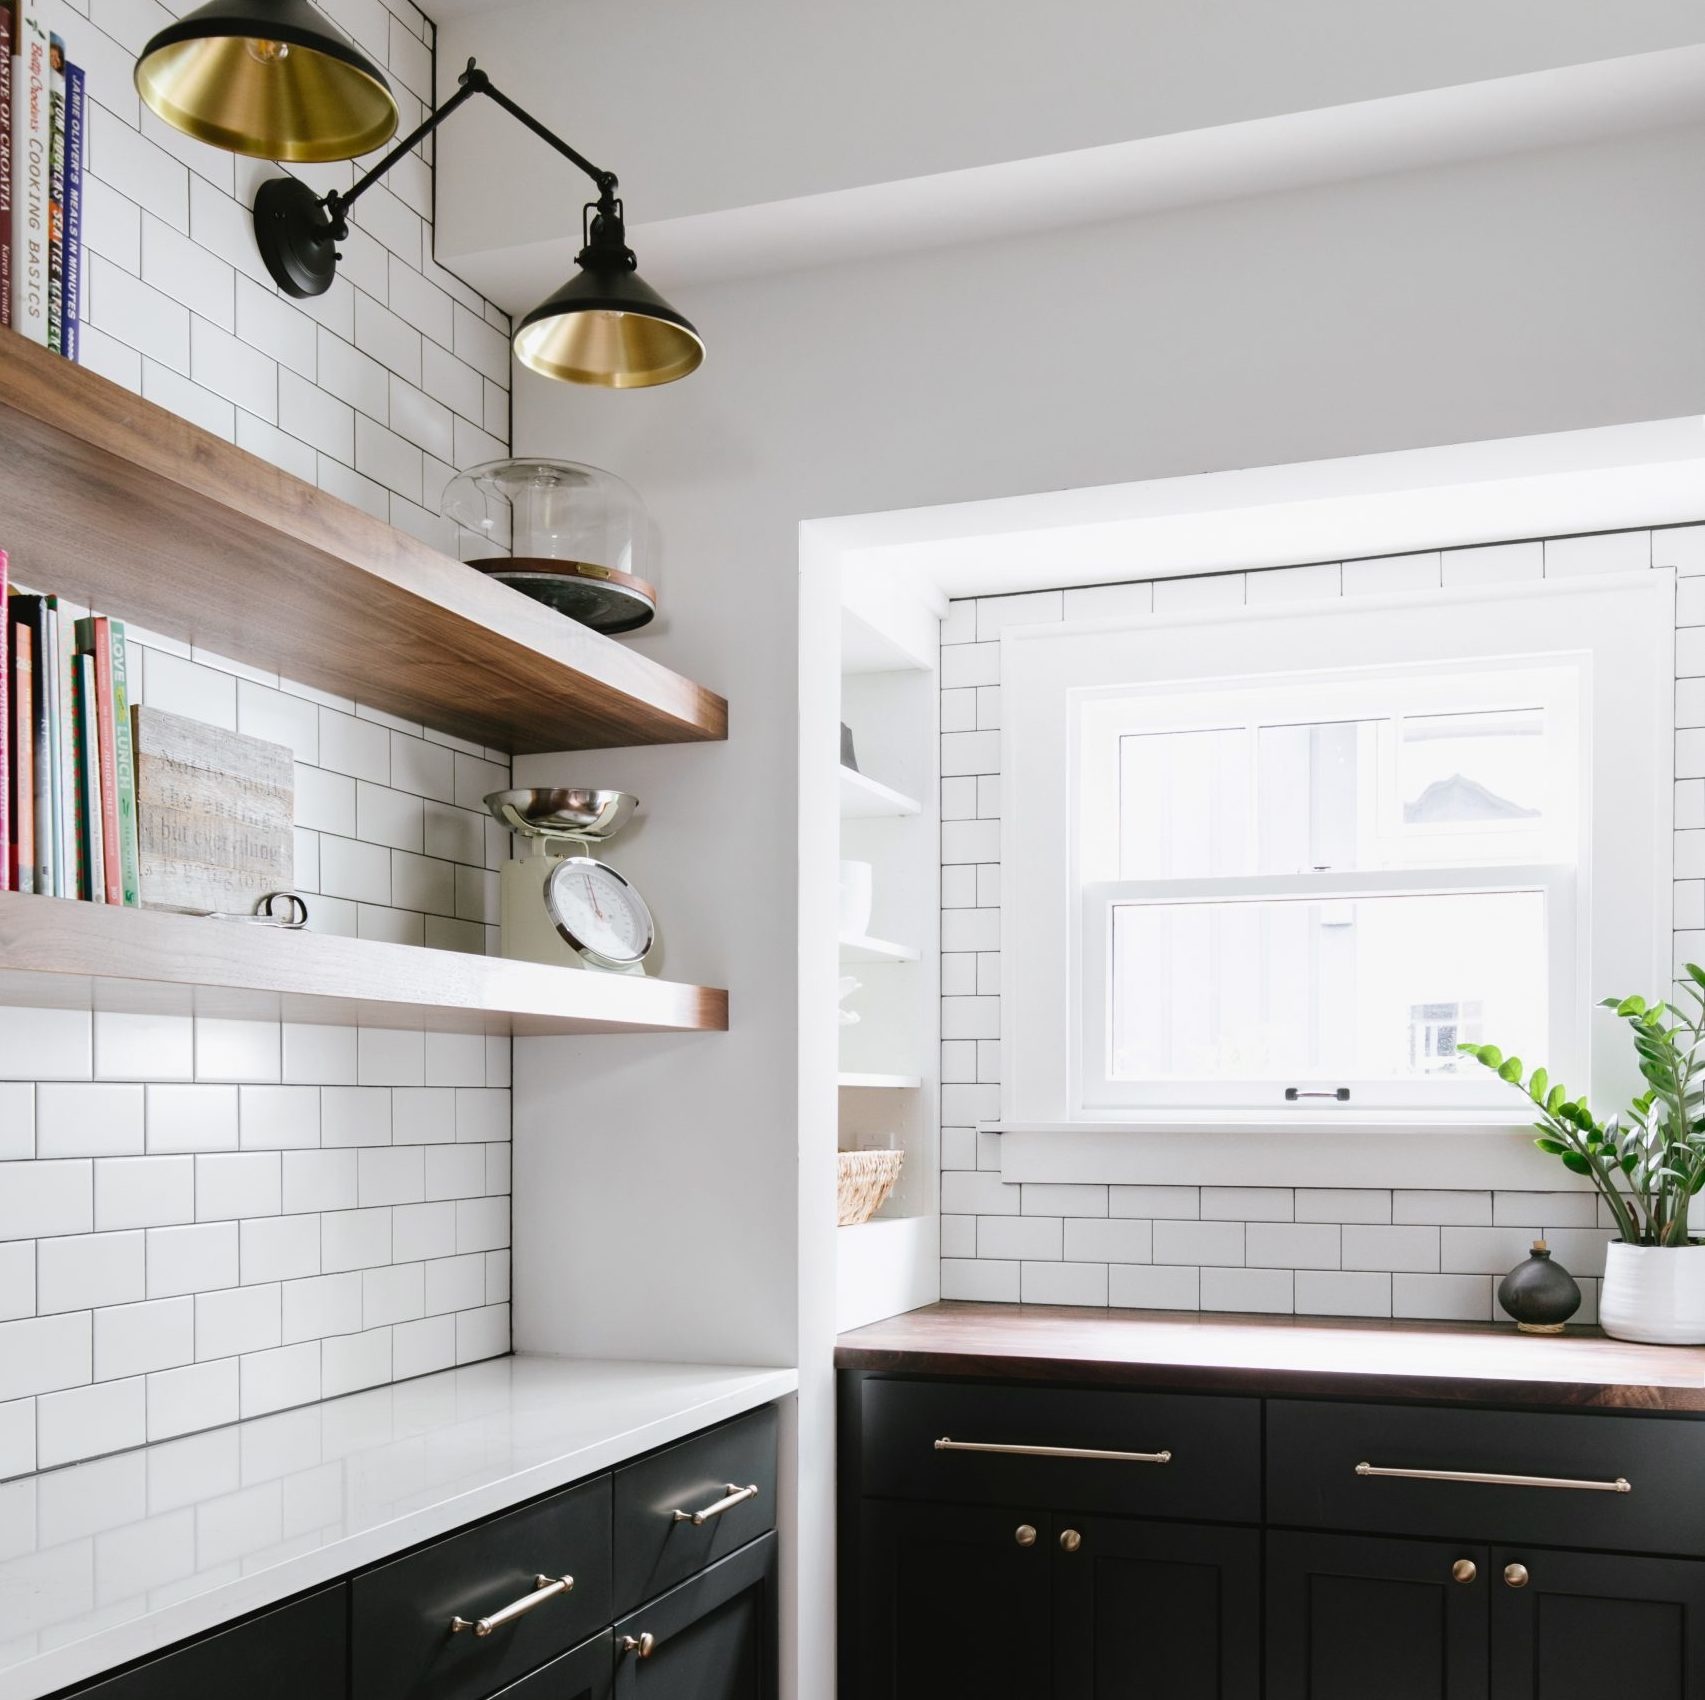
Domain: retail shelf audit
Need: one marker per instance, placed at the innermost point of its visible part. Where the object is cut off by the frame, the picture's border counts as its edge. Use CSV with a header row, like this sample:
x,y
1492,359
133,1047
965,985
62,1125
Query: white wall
x,y
210,1219
1519,295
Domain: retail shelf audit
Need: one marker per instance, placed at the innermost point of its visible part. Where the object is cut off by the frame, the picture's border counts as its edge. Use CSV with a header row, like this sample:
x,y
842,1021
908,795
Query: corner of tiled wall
x,y
204,1219
1303,1250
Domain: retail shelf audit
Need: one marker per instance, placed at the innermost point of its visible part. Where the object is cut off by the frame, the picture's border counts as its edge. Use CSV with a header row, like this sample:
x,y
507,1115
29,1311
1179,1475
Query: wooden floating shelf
x,y
116,503
881,1082
876,950
89,955
864,798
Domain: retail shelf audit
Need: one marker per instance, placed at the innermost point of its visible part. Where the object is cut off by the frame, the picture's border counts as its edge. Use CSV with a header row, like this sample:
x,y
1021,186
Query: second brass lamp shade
x,y
608,328
270,78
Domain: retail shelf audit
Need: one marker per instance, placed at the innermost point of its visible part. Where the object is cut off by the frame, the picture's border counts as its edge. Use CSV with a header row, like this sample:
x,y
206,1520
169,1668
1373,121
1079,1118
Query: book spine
x,y
124,760
5,166
76,131
91,824
46,833
61,668
7,882
23,765
56,197
30,142
107,751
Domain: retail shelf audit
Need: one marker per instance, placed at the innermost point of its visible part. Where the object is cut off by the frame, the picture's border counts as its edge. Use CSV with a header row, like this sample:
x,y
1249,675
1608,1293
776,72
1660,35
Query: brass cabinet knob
x,y
1025,1535
1464,1570
641,1646
1516,1575
1070,1540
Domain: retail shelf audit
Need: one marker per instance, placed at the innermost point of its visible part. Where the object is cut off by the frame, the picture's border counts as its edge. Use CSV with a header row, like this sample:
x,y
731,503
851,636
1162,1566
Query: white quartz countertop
x,y
101,1563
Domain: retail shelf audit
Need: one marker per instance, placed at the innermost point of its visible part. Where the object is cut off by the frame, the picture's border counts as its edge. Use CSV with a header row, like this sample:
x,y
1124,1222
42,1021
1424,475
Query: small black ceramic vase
x,y
1539,1294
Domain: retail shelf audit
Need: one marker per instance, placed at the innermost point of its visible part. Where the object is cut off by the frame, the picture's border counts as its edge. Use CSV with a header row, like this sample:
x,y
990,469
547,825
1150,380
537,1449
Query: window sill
x,y
1315,1148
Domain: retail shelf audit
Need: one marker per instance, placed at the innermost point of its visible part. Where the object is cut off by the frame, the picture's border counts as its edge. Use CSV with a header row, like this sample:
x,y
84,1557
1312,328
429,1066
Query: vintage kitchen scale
x,y
561,905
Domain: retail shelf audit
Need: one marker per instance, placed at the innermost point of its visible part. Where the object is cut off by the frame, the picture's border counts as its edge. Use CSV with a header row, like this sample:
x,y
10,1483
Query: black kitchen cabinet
x,y
954,1600
1350,1616
1585,1625
519,1606
713,1638
1155,1608
1009,1604
1016,1542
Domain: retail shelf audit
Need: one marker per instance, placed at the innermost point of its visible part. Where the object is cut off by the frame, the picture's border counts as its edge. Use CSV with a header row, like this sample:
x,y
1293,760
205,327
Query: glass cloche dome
x,y
577,538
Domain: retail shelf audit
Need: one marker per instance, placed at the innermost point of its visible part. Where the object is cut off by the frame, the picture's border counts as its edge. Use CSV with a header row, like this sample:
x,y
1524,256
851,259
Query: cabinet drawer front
x,y
585,1674
1173,1455
1314,1450
403,1612
298,1650
687,1507
713,1638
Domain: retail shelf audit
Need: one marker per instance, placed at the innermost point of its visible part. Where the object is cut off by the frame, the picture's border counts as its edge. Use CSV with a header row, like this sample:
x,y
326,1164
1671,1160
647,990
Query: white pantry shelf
x,y
885,1082
867,949
864,798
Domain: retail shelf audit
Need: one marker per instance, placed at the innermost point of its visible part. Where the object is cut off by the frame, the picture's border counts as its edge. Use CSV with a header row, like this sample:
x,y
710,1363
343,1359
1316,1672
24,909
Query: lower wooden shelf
x,y
88,955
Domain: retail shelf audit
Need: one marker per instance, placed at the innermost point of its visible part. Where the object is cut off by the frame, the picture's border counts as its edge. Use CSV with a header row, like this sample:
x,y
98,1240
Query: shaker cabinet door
x,y
953,1600
1349,1617
1167,1609
713,1638
1581,1626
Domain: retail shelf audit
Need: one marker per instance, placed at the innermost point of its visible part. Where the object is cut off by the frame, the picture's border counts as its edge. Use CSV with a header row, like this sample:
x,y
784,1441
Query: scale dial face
x,y
598,912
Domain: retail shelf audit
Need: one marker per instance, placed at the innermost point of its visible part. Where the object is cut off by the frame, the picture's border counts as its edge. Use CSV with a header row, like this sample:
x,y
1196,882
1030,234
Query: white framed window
x,y
1303,854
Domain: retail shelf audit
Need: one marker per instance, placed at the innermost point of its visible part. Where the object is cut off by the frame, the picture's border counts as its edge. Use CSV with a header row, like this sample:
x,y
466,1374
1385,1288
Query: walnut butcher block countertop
x,y
1479,1363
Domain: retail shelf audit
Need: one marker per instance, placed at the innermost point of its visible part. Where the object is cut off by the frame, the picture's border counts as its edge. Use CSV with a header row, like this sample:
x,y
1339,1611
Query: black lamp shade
x,y
270,78
607,326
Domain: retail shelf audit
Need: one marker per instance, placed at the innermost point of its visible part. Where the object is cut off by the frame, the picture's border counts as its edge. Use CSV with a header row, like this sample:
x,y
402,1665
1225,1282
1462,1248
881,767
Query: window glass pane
x,y
1485,772
1319,795
1319,994
1184,804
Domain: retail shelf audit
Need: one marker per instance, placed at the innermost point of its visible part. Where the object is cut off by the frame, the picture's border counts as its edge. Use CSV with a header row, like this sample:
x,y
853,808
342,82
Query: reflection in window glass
x,y
1318,795
1184,804
1305,991
1482,770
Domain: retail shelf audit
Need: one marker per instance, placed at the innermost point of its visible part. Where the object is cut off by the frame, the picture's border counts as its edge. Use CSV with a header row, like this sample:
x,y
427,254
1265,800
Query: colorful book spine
x,y
5,168
7,881
43,838
124,756
56,195
31,139
91,768
76,132
23,846
95,640
58,652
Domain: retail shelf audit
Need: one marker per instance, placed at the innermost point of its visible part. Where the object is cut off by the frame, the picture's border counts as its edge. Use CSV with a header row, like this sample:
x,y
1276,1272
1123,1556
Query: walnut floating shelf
x,y
117,503
83,955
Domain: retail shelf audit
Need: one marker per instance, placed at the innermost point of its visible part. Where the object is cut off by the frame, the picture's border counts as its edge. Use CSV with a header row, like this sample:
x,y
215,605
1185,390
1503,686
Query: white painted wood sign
x,y
214,814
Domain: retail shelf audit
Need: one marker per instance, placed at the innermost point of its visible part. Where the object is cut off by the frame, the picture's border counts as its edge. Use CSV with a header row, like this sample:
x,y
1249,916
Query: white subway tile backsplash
x,y
1141,1286
192,1259
116,1128
1248,1289
1063,1283
1020,1237
85,1271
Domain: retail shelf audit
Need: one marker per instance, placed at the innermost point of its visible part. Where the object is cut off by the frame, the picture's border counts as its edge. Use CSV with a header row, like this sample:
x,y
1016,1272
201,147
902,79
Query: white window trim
x,y
1624,623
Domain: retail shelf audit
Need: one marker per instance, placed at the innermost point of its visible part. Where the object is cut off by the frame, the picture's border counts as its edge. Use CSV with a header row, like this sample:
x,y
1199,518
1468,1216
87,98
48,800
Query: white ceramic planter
x,y
1654,1294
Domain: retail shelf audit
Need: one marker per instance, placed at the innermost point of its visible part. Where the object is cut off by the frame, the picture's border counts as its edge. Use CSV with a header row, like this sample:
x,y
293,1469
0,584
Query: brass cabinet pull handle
x,y
544,1588
641,1646
1464,1570
1489,1478
1025,1534
948,1445
1070,1540
731,1497
1516,1575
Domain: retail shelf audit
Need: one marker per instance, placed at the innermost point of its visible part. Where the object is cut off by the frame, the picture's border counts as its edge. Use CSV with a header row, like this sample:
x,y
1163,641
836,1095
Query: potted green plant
x,y
1646,1164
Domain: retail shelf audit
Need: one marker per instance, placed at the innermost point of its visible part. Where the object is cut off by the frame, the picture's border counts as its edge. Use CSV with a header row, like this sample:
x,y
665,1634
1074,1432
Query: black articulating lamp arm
x,y
297,230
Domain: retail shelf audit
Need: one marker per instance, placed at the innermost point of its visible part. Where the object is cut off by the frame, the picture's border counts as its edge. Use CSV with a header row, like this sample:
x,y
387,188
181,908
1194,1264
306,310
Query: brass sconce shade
x,y
609,328
269,78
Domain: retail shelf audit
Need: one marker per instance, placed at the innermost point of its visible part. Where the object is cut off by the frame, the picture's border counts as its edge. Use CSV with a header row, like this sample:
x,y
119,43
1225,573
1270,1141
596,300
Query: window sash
x,y
1099,1091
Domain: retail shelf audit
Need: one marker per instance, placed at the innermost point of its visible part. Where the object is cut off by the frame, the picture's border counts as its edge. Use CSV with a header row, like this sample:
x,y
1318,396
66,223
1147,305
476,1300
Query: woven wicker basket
x,y
863,1181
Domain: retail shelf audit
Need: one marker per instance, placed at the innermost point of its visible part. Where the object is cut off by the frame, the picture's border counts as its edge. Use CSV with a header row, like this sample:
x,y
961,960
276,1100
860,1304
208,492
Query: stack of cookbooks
x,y
43,130
67,762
